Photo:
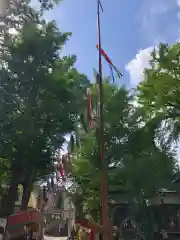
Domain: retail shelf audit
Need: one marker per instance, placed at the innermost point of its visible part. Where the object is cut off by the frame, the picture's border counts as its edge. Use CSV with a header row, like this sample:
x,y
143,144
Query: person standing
x,y
164,234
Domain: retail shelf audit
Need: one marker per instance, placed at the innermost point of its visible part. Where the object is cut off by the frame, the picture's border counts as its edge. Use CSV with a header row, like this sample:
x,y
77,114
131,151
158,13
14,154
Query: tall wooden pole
x,y
103,187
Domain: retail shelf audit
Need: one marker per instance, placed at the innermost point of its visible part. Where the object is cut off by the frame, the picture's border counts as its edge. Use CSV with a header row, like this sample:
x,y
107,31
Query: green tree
x,y
135,162
40,99
159,91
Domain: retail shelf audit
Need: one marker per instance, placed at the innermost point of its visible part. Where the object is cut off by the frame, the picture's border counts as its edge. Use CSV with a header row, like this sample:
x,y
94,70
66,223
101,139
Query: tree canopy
x,y
135,162
40,97
158,93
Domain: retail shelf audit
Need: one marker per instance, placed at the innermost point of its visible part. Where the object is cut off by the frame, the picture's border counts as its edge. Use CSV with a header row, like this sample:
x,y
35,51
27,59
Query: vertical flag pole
x,y
103,187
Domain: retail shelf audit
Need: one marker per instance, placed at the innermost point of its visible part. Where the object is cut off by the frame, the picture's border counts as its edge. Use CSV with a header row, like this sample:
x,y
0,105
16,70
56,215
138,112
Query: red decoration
x,y
104,54
22,218
95,227
61,170
92,235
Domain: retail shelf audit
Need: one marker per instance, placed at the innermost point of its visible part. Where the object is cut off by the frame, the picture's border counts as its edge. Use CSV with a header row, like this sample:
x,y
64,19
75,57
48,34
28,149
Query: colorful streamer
x,y
112,74
104,54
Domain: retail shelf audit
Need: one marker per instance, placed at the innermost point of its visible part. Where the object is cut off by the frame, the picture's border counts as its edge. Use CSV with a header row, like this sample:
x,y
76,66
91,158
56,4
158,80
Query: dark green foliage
x,y
40,97
135,163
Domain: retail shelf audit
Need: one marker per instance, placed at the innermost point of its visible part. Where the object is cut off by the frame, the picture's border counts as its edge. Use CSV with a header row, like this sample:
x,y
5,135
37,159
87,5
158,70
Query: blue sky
x,y
79,17
130,28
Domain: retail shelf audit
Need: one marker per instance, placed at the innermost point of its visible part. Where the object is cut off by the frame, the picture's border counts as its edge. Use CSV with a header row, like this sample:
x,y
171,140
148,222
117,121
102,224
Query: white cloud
x,y
137,65
178,2
152,12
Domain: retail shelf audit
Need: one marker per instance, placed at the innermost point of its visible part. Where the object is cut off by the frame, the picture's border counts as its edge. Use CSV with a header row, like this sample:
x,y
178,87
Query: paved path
x,y
54,238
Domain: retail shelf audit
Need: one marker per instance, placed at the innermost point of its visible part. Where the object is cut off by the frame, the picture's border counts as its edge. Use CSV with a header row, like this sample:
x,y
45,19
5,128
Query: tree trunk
x,y
10,199
79,209
27,189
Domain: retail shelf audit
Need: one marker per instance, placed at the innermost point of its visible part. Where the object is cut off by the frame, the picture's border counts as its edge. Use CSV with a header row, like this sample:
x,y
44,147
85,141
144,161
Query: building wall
x,y
59,205
32,201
